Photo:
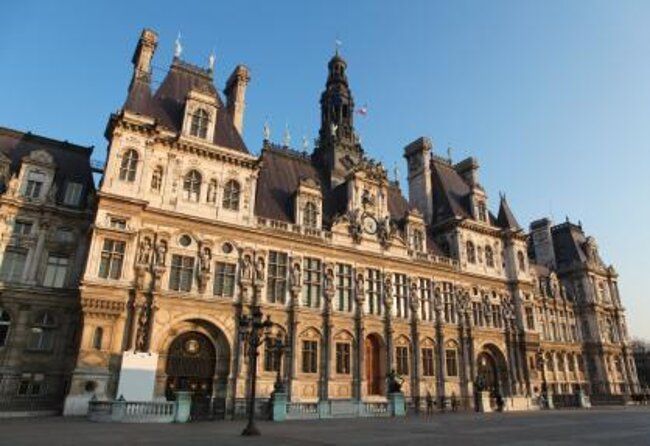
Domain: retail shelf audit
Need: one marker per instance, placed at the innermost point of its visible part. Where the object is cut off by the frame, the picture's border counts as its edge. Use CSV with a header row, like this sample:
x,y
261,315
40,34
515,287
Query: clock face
x,y
369,224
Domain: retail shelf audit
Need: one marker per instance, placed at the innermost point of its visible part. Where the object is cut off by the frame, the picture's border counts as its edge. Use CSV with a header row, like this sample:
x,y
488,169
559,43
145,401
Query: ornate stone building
x,y
47,197
192,229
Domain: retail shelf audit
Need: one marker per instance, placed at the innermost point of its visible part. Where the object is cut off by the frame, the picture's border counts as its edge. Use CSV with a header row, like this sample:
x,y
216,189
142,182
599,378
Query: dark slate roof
x,y
280,175
168,102
450,192
72,161
506,219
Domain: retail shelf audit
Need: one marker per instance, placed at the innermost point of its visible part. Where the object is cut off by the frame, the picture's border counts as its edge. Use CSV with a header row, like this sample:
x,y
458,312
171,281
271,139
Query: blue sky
x,y
552,97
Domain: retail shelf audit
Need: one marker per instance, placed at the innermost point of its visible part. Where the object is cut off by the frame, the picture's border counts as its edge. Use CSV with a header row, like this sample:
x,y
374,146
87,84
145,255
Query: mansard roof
x,y
167,104
280,174
568,242
72,161
450,192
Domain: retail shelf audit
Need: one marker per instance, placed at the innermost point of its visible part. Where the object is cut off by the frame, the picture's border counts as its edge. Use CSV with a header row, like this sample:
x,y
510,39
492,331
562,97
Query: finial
x,y
337,45
305,143
211,60
396,172
178,48
286,137
267,130
449,153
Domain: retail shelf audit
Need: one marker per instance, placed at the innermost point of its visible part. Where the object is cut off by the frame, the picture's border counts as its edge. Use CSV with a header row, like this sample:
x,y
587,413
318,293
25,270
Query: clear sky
x,y
553,97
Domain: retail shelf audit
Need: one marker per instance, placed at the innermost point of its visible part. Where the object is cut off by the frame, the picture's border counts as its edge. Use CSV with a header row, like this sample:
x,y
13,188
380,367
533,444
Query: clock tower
x,y
338,149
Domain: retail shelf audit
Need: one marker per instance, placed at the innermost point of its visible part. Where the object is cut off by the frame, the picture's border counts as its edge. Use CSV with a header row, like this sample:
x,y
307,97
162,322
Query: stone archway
x,y
196,358
492,371
375,364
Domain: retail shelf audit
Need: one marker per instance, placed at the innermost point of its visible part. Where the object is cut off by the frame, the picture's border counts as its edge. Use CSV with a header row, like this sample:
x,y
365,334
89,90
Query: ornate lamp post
x,y
253,331
540,366
278,346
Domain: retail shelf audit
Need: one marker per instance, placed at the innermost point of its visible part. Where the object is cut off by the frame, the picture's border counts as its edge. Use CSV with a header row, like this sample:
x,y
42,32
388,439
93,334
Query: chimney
x,y
236,95
418,157
542,242
468,170
142,57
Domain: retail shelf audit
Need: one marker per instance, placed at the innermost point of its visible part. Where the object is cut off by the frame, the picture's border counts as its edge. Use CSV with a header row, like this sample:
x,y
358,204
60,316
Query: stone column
x,y
35,255
326,350
414,302
359,369
440,344
388,306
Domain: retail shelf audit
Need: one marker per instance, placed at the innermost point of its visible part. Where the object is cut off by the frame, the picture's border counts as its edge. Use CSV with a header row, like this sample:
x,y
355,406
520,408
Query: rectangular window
x,y
56,270
30,384
224,279
448,303
181,273
72,195
271,359
309,357
311,290
22,227
343,287
425,297
402,360
41,339
401,295
496,316
118,223
530,318
13,264
110,265
276,289
34,184
427,362
476,311
451,361
373,283
342,358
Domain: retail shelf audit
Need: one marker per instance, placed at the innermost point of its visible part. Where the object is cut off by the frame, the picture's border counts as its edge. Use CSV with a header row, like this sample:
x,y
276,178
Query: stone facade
x,y
47,205
191,230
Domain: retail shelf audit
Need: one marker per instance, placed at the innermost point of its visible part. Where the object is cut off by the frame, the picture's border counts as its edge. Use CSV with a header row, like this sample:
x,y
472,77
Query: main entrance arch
x,y
375,359
492,371
198,360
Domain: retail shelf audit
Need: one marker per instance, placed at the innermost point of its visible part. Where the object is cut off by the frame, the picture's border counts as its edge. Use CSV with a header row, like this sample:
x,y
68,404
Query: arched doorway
x,y
375,365
492,371
190,365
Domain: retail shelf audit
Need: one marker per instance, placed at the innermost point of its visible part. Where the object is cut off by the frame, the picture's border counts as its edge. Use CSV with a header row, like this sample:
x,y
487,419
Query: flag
x,y
363,111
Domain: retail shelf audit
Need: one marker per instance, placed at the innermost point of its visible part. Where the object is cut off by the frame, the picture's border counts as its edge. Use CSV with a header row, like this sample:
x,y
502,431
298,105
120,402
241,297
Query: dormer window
x,y
310,216
192,185
418,240
34,184
129,166
231,195
199,126
72,195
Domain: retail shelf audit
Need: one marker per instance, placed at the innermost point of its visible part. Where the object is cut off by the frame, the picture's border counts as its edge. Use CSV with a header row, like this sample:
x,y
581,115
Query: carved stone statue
x,y
205,258
259,269
388,293
360,289
296,276
247,268
437,299
145,251
330,286
487,309
414,299
161,252
356,229
385,231
143,321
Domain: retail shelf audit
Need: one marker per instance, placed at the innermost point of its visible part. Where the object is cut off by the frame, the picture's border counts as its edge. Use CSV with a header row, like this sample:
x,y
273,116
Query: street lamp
x,y
540,366
253,331
278,346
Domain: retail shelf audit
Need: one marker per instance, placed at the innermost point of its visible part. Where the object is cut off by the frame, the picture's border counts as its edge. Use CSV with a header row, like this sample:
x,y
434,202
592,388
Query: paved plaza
x,y
614,426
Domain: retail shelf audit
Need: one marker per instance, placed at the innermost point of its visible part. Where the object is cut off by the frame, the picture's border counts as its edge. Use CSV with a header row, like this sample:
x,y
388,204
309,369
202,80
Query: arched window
x,y
5,322
199,127
231,195
212,192
471,253
156,178
418,240
310,216
42,333
97,338
129,165
521,261
482,211
489,257
192,185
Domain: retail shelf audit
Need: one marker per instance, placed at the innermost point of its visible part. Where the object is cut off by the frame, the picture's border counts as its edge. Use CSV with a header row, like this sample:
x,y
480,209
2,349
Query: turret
x,y
142,57
236,95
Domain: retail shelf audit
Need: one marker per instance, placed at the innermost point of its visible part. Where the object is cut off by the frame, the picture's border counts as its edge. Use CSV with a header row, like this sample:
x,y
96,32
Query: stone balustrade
x,y
132,411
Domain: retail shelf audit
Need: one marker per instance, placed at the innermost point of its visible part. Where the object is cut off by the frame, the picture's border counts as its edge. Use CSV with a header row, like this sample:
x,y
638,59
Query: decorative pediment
x,y
40,157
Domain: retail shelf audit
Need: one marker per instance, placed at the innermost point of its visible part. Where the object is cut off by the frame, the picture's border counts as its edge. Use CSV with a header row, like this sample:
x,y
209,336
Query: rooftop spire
x,y
178,48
